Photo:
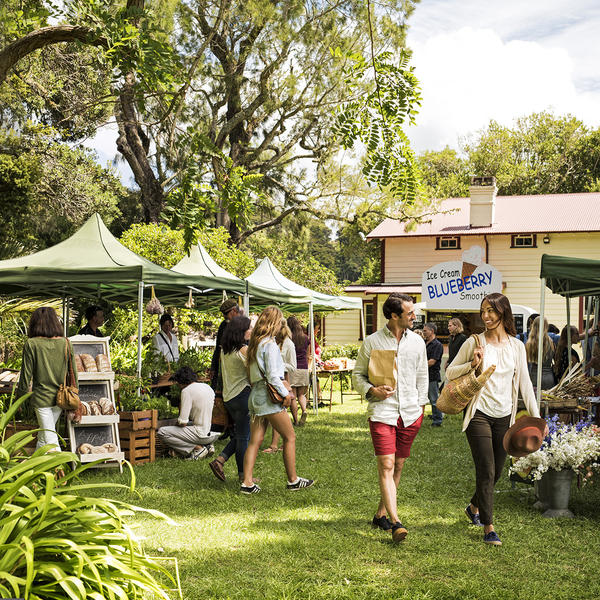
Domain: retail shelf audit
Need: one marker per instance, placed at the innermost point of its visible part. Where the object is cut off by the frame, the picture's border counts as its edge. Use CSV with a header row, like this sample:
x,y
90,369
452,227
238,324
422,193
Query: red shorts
x,y
390,439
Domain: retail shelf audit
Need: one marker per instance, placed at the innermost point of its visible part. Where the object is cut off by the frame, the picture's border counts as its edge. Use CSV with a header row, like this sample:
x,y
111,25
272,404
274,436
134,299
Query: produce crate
x,y
139,446
136,420
137,433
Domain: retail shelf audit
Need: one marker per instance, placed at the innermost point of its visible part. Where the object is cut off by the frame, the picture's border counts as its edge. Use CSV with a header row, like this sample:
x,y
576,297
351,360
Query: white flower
x,y
565,449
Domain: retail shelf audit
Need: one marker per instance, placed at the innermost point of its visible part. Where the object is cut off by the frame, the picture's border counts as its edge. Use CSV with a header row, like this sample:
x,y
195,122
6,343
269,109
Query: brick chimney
x,y
482,192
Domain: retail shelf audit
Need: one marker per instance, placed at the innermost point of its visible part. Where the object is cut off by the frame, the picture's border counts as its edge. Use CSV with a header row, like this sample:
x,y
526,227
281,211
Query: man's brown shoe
x,y
217,469
398,532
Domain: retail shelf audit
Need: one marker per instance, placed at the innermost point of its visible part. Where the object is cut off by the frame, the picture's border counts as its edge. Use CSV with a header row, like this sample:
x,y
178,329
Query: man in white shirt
x,y
197,399
395,413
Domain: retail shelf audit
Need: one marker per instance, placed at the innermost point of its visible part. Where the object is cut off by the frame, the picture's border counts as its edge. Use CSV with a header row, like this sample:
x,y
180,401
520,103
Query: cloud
x,y
470,76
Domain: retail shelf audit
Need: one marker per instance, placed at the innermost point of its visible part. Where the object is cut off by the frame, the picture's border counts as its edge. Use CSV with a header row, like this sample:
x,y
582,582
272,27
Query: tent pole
x,y
139,336
588,310
246,301
362,323
595,324
314,359
568,334
538,391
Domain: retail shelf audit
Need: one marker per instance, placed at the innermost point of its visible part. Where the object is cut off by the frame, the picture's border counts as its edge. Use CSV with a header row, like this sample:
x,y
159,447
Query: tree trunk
x,y
134,144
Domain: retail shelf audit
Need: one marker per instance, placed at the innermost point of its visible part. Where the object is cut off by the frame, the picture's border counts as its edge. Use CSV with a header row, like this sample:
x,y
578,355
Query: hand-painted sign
x,y
460,285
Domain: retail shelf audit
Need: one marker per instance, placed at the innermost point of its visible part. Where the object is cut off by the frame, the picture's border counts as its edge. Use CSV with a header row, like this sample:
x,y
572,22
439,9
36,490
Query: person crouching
x,y
197,399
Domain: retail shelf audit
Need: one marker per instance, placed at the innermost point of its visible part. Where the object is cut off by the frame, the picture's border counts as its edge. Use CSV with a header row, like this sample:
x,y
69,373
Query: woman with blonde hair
x,y
531,348
266,365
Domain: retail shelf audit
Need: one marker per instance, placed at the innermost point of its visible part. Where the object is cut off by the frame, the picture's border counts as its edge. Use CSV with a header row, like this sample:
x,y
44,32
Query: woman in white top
x,y
492,412
165,341
236,390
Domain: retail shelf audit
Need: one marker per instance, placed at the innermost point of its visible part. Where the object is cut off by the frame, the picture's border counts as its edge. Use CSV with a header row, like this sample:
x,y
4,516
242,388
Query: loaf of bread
x,y
95,408
102,362
79,364
89,364
85,449
106,406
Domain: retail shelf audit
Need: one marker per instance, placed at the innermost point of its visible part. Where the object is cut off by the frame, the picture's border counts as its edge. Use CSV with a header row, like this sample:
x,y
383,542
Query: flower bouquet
x,y
566,447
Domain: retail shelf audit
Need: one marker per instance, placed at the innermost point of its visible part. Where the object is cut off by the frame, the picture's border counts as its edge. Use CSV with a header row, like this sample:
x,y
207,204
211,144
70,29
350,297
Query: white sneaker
x,y
198,454
211,450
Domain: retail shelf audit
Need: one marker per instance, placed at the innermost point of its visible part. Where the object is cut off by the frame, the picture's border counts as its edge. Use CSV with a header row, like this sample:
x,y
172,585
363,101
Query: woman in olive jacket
x,y
43,368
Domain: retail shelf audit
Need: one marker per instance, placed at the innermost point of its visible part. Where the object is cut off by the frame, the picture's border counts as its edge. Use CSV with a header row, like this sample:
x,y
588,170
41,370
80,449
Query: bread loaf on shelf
x,y
102,362
89,364
79,364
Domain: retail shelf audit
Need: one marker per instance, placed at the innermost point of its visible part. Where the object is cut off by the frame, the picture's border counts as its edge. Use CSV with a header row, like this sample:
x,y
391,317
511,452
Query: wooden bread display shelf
x,y
106,456
98,419
96,375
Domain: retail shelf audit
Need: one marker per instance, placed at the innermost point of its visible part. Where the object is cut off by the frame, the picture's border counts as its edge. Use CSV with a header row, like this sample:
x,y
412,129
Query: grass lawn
x,y
318,543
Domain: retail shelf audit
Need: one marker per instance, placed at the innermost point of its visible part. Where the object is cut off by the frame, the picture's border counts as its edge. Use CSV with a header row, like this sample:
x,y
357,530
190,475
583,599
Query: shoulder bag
x,y
274,395
67,396
457,393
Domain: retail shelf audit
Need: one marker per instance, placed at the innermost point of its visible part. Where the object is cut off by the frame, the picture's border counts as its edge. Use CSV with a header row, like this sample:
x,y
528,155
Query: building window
x,y
370,315
447,242
523,240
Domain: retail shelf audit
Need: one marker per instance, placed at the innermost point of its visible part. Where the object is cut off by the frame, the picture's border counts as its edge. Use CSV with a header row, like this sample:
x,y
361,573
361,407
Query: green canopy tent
x,y
199,263
267,276
93,264
570,277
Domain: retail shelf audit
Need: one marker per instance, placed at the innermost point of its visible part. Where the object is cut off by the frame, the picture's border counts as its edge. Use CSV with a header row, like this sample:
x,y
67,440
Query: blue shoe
x,y
492,539
474,517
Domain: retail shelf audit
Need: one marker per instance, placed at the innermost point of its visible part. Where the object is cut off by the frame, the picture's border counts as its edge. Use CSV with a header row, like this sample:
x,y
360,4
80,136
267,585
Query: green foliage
x,y
146,402
48,190
445,174
59,543
193,203
540,154
376,116
340,350
302,268
158,243
197,358
217,243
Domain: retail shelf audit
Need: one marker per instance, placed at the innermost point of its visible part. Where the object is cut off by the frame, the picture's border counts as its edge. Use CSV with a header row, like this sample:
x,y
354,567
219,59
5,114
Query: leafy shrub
x,y
340,350
147,402
197,358
58,543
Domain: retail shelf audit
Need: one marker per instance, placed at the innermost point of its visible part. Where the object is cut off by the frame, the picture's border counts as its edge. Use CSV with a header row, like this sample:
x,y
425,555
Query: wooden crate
x,y
139,446
136,420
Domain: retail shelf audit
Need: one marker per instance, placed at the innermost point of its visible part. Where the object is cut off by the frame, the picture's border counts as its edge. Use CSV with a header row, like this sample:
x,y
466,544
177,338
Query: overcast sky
x,y
481,59
489,59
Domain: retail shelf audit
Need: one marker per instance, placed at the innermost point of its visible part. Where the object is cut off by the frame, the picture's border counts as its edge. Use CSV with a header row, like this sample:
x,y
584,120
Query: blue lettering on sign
x,y
468,282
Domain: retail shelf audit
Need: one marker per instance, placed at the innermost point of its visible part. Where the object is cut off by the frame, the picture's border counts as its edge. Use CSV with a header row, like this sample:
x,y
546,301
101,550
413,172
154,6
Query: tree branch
x,y
41,38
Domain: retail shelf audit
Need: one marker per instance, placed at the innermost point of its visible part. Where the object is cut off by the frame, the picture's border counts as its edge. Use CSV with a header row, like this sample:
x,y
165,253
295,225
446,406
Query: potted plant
x,y
566,450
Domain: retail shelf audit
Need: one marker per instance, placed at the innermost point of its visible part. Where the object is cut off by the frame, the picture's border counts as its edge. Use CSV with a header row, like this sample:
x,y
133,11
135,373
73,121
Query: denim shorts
x,y
259,403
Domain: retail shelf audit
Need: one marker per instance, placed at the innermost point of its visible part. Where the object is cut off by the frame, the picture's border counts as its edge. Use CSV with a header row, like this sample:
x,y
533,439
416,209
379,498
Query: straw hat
x,y
525,436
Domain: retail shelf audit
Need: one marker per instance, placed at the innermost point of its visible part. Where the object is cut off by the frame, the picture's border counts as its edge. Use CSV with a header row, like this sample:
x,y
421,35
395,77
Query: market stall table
x,y
340,372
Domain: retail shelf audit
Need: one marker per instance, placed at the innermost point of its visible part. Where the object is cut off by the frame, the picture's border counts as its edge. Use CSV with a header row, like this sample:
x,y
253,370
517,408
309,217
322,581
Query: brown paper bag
x,y
382,368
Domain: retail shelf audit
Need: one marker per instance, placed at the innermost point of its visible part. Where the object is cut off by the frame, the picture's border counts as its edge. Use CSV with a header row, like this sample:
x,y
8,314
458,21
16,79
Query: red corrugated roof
x,y
385,288
547,213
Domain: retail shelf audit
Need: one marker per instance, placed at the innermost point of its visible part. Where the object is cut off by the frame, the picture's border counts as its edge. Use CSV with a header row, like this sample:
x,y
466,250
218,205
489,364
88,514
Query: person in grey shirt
x,y
395,413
